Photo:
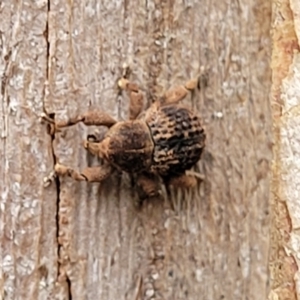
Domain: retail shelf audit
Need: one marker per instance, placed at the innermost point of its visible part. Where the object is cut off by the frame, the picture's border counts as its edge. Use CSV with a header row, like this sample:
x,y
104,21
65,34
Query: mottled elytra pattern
x,y
178,139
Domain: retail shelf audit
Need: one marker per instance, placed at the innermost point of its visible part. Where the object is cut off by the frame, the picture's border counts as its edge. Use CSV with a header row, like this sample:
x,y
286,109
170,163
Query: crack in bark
x,y
5,75
5,97
61,273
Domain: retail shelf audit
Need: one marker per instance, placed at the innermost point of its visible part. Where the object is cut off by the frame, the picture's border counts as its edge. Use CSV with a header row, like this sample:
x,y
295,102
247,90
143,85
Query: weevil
x,y
166,140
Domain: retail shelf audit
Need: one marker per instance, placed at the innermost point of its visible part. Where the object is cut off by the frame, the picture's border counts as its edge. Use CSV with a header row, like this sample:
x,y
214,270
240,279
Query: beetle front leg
x,y
92,174
136,98
93,117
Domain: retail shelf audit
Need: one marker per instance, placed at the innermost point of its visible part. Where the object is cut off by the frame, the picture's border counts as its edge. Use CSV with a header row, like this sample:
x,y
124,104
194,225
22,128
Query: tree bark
x,y
75,240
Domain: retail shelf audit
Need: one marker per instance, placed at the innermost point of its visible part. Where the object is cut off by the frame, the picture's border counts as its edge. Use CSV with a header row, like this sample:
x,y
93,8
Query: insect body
x,y
166,140
178,139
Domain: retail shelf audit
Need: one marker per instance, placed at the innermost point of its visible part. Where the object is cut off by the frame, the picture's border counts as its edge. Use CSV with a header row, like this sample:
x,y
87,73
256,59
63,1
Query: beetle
x,y
165,141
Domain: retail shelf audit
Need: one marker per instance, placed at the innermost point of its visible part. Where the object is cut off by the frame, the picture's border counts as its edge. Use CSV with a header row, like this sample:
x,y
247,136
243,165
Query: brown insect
x,y
164,141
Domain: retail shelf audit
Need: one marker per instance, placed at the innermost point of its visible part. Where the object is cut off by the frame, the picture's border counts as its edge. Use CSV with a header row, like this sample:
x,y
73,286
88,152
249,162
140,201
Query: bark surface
x,y
76,240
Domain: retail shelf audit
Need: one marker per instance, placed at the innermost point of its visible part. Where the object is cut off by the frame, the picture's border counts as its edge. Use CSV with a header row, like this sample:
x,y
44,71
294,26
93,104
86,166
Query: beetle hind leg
x,y
187,180
178,93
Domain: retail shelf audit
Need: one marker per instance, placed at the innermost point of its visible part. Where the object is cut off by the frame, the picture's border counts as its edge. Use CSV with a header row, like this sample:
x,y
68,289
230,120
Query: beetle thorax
x,y
129,146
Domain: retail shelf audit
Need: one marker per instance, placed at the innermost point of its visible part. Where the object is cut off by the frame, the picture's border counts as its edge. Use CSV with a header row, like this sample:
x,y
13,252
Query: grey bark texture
x,y
75,240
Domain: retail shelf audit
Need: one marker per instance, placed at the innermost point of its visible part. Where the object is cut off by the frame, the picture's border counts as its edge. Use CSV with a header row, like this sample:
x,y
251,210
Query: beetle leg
x,y
187,180
93,117
178,93
92,174
135,96
147,186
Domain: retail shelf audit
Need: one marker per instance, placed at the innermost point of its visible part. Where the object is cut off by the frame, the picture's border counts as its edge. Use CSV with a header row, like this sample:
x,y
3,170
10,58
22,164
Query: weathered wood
x,y
210,243
284,251
28,221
